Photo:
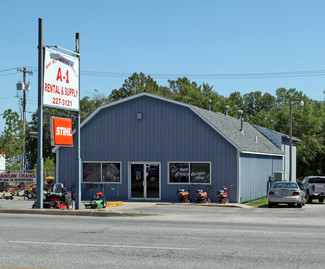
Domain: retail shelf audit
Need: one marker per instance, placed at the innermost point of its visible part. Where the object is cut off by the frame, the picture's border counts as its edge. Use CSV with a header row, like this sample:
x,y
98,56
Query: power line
x,y
5,70
308,73
214,76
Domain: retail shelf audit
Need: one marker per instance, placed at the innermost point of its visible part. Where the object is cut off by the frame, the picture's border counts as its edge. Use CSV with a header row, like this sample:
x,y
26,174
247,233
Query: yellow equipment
x,y
29,190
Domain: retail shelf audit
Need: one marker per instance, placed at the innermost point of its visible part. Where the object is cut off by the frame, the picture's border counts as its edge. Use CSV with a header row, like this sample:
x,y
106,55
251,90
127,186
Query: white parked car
x,y
286,192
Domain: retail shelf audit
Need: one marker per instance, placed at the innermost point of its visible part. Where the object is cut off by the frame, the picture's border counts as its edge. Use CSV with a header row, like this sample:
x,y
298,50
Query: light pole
x,y
301,103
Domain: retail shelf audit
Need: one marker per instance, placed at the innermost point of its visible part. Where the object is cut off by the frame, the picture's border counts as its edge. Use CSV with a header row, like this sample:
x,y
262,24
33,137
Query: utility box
x,y
277,176
20,86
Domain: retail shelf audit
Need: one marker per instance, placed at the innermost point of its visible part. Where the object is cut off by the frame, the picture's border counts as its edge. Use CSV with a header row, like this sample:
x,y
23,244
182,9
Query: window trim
x,y
101,172
189,165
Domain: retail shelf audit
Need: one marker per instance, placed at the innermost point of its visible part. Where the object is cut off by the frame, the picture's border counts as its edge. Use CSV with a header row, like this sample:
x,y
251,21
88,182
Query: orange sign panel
x,y
61,132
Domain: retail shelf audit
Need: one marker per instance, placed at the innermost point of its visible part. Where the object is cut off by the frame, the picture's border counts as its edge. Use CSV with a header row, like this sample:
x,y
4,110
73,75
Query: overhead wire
x,y
214,76
308,73
5,70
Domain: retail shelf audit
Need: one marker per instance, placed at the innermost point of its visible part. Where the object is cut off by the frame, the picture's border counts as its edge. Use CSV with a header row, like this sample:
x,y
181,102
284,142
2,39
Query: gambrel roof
x,y
248,140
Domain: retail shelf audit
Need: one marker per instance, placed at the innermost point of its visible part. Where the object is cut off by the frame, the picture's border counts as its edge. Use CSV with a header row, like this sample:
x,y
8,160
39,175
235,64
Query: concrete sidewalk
x,y
19,205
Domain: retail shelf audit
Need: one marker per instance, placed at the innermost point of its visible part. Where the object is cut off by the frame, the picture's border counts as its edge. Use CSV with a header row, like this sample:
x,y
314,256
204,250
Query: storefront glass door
x,y
145,180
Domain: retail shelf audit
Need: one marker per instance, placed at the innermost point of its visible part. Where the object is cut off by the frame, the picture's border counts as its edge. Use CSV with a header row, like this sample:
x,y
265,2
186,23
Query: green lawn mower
x,y
97,202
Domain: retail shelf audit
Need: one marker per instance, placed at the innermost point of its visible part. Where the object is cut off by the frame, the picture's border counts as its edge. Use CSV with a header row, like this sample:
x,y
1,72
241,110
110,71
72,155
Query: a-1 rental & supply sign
x,y
61,132
61,80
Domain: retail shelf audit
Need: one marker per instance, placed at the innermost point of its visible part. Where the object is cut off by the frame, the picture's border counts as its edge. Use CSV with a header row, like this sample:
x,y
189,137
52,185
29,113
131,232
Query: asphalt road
x,y
177,237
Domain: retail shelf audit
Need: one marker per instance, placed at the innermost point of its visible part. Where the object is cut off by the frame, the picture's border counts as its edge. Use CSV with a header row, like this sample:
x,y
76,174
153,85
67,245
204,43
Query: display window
x,y
189,172
101,172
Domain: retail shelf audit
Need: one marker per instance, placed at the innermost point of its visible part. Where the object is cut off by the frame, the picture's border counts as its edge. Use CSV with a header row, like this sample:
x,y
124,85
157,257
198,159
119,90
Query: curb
x,y
71,213
207,204
108,213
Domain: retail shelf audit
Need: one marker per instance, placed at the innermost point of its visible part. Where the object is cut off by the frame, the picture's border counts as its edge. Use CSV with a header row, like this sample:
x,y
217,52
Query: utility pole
x,y
24,88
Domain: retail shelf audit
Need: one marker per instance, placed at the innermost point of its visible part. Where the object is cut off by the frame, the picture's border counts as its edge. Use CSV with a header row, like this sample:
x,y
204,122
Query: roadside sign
x,y
61,132
18,177
61,80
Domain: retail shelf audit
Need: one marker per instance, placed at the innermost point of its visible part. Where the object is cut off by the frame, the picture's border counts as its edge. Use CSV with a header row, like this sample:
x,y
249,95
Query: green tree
x,y
89,104
11,139
235,102
259,109
185,91
32,143
308,125
138,83
311,130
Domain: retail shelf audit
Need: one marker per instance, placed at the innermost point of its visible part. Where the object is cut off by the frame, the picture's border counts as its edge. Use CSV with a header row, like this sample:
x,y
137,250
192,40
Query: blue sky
x,y
168,37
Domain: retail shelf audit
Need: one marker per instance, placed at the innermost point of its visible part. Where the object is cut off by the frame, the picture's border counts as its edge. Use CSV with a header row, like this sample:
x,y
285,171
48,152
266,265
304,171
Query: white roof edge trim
x,y
261,153
293,138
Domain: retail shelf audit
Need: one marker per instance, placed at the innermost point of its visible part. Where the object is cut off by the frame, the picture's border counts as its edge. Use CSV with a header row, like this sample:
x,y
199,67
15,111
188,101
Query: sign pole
x,y
39,201
78,183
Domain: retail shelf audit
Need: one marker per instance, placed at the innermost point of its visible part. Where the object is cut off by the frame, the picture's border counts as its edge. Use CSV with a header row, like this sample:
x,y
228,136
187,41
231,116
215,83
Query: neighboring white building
x,y
282,141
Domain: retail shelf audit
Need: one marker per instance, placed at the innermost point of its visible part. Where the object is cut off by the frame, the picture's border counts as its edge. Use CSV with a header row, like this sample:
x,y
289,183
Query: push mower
x,y
202,196
222,195
97,202
183,195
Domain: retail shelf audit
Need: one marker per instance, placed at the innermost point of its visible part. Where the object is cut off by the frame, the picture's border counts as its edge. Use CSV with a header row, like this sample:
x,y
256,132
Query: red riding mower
x,y
60,198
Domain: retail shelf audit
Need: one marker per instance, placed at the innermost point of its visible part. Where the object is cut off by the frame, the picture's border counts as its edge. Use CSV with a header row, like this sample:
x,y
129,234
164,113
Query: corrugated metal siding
x,y
66,162
286,150
167,132
254,174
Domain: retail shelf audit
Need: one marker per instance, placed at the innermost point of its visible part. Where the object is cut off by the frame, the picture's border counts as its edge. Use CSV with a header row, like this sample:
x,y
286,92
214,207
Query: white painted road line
x,y
94,245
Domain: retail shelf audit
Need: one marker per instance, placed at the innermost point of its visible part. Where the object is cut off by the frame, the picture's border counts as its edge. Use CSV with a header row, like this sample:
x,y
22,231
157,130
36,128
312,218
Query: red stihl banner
x,y
61,132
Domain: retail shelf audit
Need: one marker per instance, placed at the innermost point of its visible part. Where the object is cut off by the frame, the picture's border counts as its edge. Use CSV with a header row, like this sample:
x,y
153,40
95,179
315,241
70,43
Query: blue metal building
x,y
145,147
